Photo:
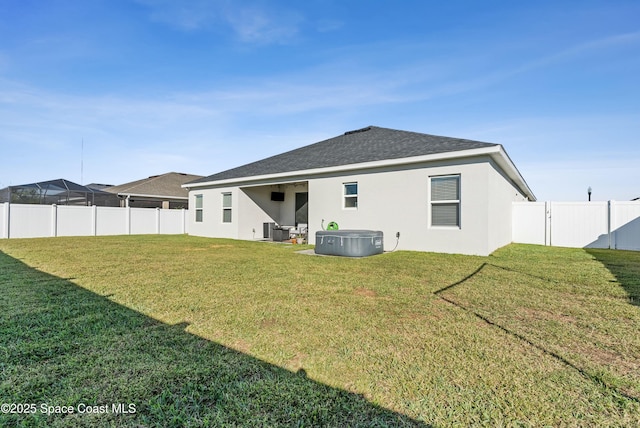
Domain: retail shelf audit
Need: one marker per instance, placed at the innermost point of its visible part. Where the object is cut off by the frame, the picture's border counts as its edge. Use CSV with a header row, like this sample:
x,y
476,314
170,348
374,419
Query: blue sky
x,y
152,86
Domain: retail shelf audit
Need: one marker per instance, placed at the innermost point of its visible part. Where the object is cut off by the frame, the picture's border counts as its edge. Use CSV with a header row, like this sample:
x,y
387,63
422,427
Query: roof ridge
x,y
355,131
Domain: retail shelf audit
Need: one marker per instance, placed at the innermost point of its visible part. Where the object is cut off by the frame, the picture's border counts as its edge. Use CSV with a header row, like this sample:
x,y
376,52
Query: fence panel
x,y
171,222
36,221
579,224
529,223
111,221
74,221
143,221
30,221
4,220
625,225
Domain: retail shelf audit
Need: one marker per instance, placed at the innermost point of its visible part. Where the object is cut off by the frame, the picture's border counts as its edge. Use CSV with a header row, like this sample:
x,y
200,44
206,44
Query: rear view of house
x,y
440,194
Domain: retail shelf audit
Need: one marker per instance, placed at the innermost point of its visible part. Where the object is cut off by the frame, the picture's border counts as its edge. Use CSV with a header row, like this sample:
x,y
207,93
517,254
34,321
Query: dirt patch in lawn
x,y
364,292
268,323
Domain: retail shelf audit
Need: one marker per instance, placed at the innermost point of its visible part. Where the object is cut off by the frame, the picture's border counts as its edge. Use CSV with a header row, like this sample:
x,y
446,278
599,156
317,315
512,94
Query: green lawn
x,y
208,332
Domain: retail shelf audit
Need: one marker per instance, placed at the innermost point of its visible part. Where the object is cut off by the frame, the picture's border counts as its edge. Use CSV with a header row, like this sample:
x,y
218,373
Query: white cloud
x,y
256,25
199,132
249,21
586,48
185,15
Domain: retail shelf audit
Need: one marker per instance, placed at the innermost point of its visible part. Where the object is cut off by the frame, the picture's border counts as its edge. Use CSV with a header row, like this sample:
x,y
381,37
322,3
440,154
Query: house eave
x,y
142,195
496,152
504,161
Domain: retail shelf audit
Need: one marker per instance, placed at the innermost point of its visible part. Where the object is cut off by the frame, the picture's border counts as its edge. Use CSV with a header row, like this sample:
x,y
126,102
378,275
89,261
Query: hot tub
x,y
349,243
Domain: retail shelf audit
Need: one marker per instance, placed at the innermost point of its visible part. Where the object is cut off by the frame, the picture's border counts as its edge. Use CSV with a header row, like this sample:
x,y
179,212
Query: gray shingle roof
x,y
362,145
168,185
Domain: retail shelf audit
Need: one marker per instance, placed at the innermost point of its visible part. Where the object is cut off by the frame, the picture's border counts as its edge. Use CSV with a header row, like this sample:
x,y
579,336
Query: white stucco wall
x,y
388,200
251,208
212,225
255,208
398,201
501,194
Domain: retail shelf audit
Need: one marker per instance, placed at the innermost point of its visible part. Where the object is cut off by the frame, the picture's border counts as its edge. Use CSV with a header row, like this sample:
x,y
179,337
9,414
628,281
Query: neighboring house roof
x,y
99,186
167,185
370,146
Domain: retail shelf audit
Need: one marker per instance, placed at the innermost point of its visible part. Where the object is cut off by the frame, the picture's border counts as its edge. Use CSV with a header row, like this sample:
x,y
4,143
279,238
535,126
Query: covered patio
x,y
283,209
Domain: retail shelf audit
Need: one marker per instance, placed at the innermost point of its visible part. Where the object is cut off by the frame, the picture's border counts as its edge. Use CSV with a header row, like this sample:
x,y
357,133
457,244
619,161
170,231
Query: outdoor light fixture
x,y
589,193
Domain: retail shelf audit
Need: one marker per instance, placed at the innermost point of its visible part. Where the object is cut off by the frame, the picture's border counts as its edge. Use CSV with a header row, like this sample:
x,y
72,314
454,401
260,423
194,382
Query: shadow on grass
x,y
61,345
562,354
625,266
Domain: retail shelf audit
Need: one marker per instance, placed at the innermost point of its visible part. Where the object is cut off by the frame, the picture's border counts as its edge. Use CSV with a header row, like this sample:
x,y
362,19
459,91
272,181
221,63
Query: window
x,y
350,195
226,207
199,208
445,201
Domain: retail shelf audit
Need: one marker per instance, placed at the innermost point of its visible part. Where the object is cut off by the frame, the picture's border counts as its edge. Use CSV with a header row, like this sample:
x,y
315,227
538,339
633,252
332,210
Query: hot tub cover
x,y
349,242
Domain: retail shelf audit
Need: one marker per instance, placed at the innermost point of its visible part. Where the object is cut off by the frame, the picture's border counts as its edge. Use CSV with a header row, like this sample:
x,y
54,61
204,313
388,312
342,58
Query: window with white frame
x,y
199,208
445,200
350,195
226,207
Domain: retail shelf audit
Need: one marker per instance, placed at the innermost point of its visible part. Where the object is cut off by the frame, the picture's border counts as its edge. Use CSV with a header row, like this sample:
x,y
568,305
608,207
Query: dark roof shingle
x,y
363,145
168,185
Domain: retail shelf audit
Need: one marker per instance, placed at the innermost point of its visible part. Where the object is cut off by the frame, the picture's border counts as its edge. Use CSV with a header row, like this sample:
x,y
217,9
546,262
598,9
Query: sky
x,y
118,90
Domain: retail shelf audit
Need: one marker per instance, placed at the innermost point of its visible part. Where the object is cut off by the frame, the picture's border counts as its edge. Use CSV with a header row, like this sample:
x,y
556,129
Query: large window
x,y
226,207
350,195
445,201
199,208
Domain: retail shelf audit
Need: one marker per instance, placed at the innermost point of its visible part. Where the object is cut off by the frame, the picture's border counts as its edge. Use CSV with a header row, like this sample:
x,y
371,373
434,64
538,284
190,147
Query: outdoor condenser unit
x,y
267,230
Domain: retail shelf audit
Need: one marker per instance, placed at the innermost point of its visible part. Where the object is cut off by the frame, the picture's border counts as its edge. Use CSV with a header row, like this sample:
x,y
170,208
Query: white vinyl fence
x,y
35,221
564,224
578,224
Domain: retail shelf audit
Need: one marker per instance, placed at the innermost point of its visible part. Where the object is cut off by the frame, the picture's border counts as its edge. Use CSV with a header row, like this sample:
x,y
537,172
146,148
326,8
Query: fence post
x,y
610,233
54,220
157,220
94,220
128,220
184,221
547,223
6,222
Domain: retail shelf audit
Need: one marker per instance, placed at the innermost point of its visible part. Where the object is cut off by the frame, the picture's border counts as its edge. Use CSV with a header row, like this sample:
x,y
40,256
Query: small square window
x,y
445,201
199,208
350,195
226,207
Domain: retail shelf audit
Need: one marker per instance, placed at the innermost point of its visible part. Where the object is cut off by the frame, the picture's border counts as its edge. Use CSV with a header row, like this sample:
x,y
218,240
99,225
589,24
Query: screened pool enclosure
x,y
59,192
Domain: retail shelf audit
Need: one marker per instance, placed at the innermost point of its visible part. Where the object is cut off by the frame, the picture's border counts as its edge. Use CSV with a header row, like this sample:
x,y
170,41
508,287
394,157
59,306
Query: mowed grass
x,y
199,331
